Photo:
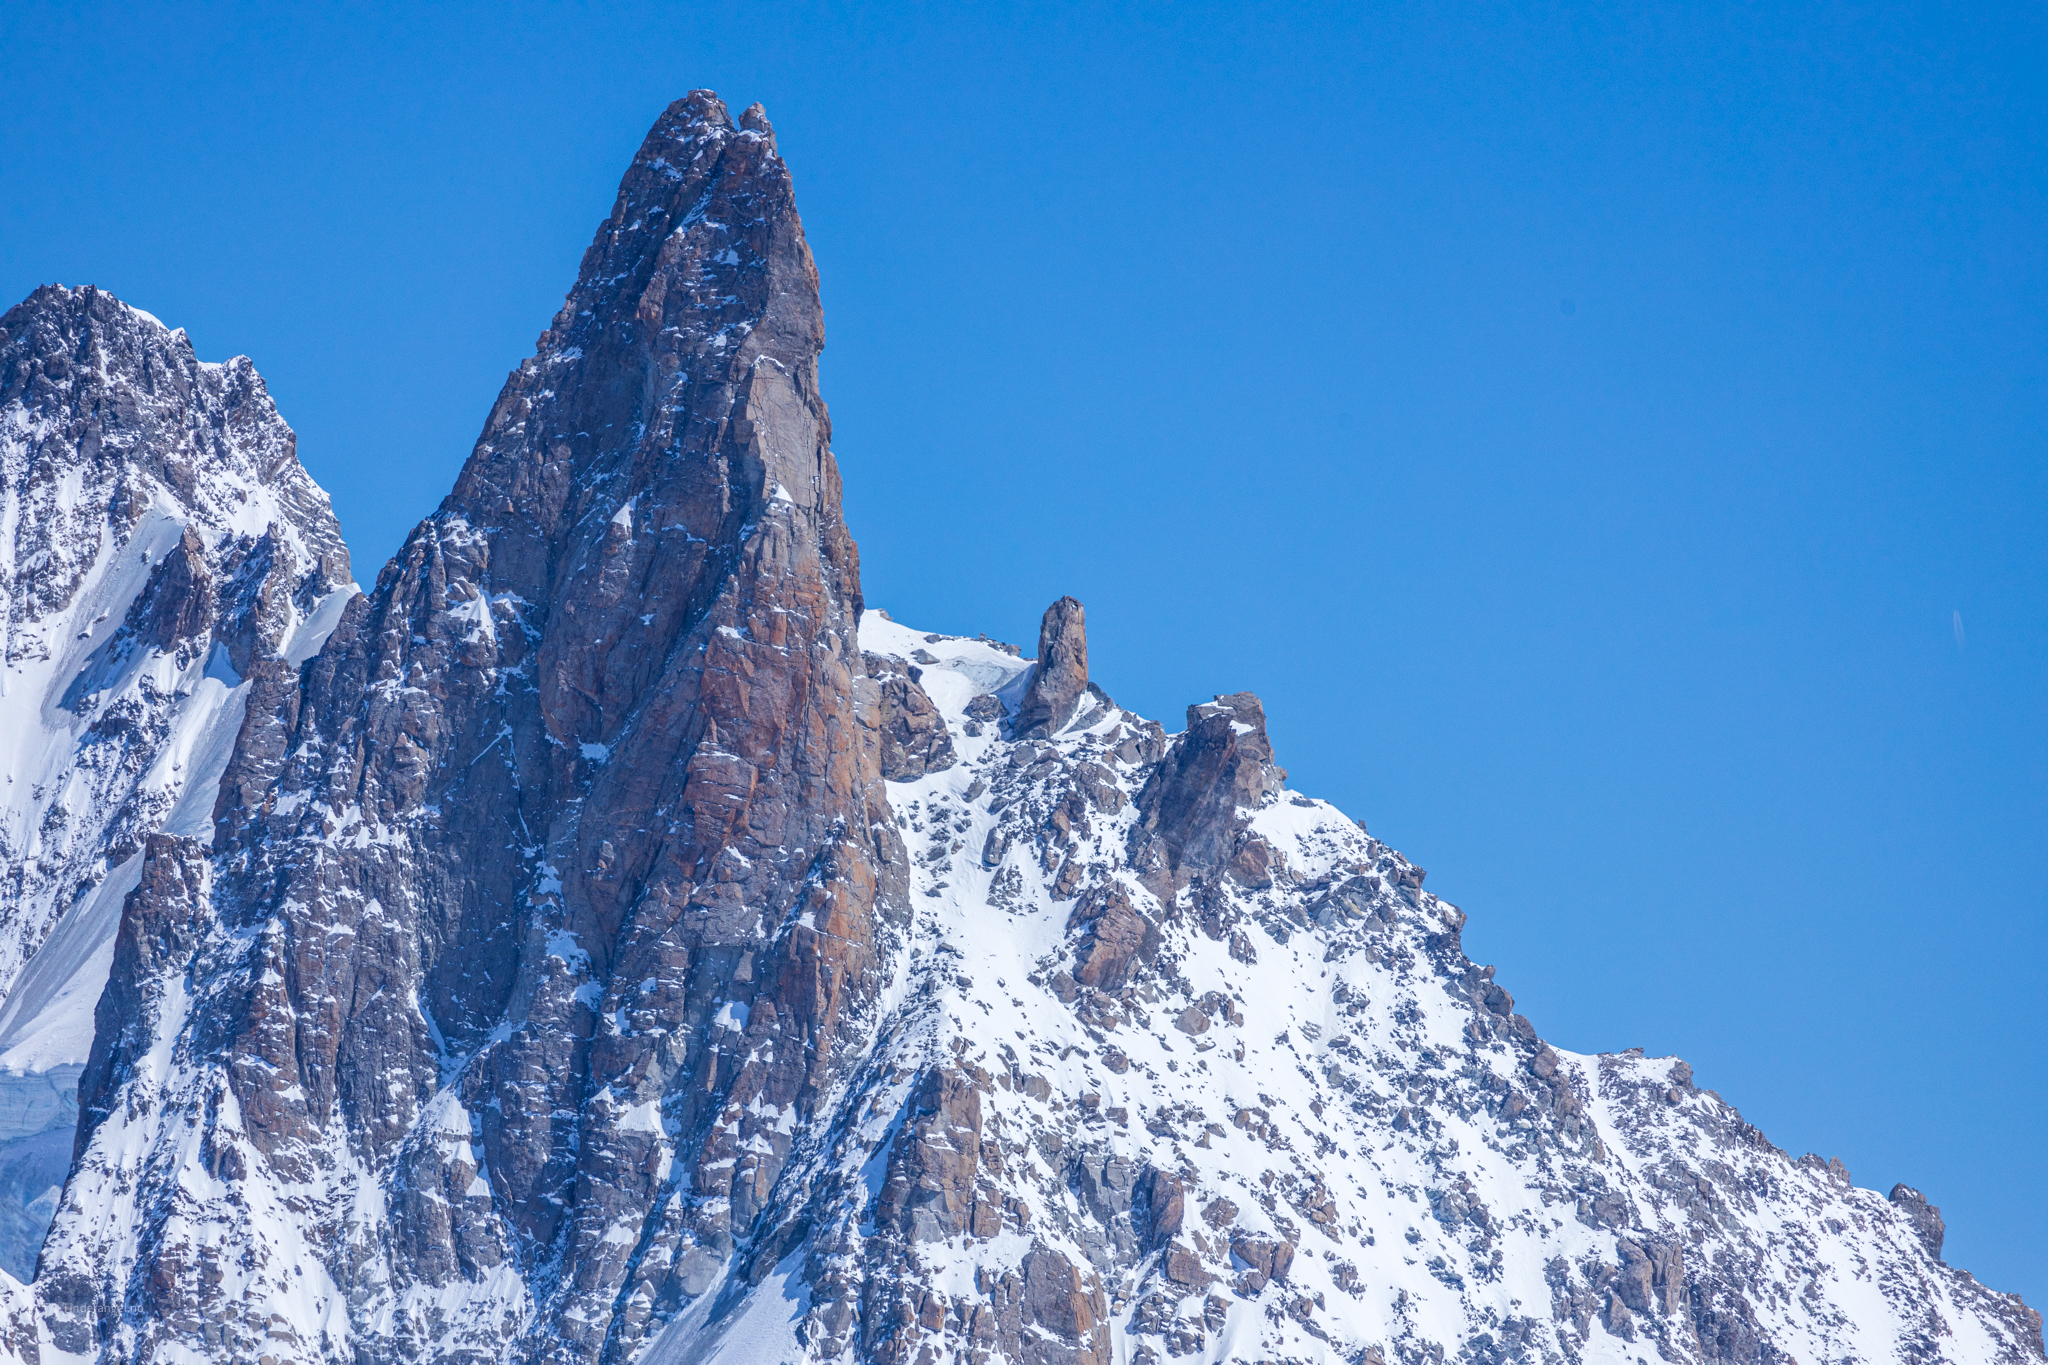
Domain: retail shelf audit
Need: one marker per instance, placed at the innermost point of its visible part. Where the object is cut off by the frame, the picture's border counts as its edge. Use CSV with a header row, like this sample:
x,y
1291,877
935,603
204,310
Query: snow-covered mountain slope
x,y
157,533
1178,1064
616,945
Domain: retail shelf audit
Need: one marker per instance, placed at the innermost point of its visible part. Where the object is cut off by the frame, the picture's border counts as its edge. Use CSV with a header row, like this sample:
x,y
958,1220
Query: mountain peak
x,y
617,947
162,544
705,205
609,709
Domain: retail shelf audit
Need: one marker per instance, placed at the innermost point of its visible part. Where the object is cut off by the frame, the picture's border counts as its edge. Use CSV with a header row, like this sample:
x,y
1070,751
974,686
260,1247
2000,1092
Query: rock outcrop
x,y
1059,680
1925,1217
1193,810
914,736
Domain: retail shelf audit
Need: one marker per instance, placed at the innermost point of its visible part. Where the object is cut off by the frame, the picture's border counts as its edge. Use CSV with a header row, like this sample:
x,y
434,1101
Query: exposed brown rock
x,y
930,1191
1064,1307
1115,936
914,738
1060,680
1184,1267
1166,1205
1269,1256
1193,805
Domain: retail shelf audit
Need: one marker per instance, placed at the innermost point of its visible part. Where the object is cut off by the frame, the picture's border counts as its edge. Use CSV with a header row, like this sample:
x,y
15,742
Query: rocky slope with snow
x,y
157,536
615,943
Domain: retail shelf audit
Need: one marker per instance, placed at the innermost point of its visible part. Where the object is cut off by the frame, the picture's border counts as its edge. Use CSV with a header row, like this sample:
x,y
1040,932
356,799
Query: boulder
x,y
1925,1217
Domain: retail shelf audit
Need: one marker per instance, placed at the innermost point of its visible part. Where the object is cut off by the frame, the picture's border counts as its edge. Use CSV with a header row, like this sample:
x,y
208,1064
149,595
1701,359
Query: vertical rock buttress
x,y
545,900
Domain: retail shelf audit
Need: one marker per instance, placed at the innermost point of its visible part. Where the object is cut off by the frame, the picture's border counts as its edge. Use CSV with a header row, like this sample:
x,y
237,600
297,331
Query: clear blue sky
x,y
1584,426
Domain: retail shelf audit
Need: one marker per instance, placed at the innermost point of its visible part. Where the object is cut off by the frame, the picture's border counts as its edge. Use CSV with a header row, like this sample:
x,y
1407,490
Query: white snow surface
x,y
1346,1091
105,738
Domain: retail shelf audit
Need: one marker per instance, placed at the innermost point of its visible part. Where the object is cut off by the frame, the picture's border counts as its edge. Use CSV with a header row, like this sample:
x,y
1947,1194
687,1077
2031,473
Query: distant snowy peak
x,y
158,540
106,414
158,536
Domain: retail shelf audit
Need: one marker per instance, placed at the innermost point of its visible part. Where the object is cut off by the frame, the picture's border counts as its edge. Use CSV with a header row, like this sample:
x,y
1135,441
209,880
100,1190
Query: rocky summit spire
x,y
1061,678
547,897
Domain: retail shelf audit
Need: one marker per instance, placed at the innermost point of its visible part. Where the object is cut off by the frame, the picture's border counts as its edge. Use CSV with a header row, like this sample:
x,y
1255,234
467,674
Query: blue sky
x,y
1585,427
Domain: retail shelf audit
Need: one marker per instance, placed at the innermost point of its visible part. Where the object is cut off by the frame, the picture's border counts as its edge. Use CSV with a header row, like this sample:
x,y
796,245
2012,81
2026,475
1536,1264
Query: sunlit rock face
x,y
615,944
547,900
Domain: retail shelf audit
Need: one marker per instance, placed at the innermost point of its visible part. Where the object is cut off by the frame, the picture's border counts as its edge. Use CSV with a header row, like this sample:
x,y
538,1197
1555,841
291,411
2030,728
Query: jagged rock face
x,y
615,946
914,736
157,536
548,899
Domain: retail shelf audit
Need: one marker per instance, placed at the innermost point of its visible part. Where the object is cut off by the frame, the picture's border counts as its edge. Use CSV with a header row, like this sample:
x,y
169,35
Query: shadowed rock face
x,y
1192,809
545,898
